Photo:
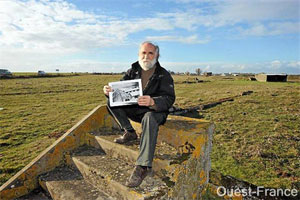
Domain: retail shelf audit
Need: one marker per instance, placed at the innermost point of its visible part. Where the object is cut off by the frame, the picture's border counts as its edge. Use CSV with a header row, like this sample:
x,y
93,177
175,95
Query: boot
x,y
127,137
138,175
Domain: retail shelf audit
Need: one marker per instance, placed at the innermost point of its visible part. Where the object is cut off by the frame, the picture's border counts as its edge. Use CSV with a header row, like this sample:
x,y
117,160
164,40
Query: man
x,y
151,111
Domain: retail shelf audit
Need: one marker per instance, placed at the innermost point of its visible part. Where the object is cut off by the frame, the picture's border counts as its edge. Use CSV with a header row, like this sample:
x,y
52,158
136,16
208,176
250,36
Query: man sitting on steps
x,y
151,111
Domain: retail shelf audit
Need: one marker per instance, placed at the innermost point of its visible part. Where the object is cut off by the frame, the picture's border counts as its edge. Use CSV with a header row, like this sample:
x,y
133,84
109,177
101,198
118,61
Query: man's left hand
x,y
146,101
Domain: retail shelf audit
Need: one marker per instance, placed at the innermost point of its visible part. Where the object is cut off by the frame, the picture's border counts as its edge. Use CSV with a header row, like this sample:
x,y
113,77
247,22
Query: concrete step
x,y
165,155
110,174
37,194
65,183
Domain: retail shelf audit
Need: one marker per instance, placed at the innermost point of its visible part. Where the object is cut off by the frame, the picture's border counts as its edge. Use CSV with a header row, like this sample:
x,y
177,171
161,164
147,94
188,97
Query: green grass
x,y
256,137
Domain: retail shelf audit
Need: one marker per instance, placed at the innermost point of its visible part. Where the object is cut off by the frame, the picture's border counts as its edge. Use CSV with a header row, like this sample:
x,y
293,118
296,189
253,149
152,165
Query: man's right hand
x,y
107,89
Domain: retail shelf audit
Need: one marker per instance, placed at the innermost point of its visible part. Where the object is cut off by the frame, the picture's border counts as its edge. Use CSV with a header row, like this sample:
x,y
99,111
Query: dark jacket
x,y
160,86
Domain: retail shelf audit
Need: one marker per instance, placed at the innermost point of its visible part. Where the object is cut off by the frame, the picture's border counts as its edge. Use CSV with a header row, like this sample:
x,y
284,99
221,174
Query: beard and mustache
x,y
147,64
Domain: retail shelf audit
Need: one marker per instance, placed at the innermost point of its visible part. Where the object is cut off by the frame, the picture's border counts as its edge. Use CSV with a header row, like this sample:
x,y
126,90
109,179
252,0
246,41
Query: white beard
x,y
147,64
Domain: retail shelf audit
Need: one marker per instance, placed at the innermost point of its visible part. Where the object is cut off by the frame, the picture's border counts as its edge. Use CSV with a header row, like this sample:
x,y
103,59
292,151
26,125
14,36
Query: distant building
x,y
251,78
207,73
271,77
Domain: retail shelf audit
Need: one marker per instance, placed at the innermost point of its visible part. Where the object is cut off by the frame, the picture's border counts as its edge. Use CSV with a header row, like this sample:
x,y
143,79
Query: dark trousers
x,y
150,121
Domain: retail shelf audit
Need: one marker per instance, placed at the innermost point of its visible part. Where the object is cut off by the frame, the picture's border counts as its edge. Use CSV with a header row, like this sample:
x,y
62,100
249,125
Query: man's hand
x,y
107,89
146,101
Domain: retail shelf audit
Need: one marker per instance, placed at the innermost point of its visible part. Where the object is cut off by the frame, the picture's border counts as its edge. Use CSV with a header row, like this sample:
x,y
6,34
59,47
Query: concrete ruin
x,y
207,73
85,163
271,77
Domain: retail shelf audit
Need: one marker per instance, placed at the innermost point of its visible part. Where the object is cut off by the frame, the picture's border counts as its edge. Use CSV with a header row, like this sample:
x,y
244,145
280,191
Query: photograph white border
x,y
121,86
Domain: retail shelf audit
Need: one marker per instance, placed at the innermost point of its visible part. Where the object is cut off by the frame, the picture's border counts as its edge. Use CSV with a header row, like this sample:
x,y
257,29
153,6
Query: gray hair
x,y
155,46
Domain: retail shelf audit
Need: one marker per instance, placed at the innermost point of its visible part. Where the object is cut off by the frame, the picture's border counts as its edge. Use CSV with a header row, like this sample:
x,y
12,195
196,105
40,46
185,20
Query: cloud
x,y
187,19
90,66
291,67
234,11
265,17
294,64
207,68
49,26
35,32
78,65
43,31
275,28
276,64
193,39
59,26
74,66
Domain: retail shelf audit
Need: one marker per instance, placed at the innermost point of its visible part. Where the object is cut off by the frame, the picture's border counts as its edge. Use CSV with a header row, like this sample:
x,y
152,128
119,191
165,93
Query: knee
x,y
149,116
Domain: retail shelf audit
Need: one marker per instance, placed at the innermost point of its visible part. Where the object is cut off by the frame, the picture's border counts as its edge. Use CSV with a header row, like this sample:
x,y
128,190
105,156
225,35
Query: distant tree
x,y
187,73
198,71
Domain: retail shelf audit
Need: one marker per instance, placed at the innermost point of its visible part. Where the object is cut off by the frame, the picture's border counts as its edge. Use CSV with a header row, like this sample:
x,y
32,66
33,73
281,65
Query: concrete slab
x,y
26,180
65,184
110,175
165,154
38,194
116,150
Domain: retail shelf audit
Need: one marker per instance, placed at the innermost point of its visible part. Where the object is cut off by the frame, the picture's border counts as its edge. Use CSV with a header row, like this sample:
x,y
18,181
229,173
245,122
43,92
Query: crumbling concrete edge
x,y
26,179
178,131
195,137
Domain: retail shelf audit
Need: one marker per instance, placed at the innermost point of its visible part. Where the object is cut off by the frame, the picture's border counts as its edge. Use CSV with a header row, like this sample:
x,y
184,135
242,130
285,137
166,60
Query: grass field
x,y
256,138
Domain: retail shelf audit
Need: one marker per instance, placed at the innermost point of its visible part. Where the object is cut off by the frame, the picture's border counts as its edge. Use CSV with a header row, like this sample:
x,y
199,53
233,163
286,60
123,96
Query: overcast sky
x,y
104,35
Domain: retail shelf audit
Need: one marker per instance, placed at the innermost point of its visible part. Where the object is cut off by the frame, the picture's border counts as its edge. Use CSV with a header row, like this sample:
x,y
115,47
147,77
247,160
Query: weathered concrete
x,y
117,150
26,179
37,194
271,77
210,192
191,137
65,184
161,160
194,137
110,174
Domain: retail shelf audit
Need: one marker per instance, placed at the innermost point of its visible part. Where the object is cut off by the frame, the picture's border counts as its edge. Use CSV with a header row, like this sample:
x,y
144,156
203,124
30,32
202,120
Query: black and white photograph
x,y
125,92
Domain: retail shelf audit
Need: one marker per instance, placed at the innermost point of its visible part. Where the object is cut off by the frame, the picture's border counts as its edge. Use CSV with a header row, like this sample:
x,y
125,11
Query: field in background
x,y
256,139
36,75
